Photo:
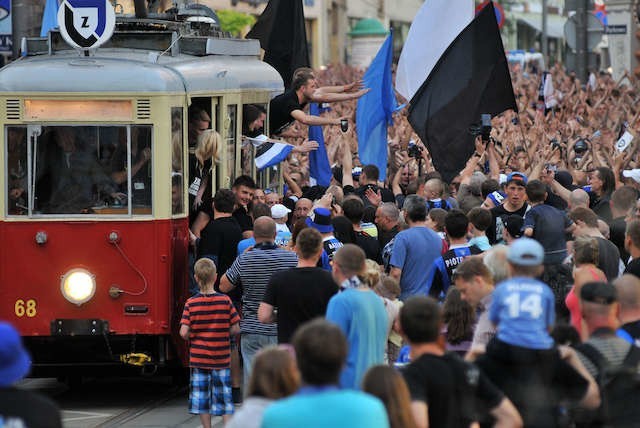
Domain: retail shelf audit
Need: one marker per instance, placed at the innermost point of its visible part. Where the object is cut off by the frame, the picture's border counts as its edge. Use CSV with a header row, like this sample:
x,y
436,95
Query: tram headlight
x,y
78,286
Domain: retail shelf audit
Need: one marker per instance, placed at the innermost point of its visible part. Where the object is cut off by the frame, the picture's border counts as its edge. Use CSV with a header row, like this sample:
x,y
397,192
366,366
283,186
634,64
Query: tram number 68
x,y
27,308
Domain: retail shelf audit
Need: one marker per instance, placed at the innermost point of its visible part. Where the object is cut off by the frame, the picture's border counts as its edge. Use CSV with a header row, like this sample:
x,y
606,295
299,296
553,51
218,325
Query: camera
x,y
413,150
551,167
484,129
485,126
344,125
555,145
581,146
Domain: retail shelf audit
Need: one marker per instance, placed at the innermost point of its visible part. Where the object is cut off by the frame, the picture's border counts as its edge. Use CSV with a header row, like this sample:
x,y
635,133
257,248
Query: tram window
x,y
133,179
232,114
79,170
16,178
177,162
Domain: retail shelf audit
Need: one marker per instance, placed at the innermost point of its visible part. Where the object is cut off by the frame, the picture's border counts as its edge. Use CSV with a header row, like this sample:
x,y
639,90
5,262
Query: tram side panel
x,y
123,305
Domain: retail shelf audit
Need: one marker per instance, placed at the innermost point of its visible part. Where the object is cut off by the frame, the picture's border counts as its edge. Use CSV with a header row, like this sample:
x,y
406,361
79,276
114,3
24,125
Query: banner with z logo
x,y
86,24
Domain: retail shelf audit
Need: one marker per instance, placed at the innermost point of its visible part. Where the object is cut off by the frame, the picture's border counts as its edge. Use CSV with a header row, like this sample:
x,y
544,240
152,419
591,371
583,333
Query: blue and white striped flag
x,y
269,152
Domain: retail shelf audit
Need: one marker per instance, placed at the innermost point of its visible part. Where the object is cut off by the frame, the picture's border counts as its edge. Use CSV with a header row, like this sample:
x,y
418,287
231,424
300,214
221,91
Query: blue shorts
x,y
210,392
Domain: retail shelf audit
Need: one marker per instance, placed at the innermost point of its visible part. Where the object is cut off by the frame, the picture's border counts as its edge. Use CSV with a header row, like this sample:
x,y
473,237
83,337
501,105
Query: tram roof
x,y
131,70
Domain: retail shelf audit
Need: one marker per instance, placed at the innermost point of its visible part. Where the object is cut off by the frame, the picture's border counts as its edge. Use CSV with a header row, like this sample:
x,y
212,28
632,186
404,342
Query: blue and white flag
x,y
319,167
49,17
375,108
269,152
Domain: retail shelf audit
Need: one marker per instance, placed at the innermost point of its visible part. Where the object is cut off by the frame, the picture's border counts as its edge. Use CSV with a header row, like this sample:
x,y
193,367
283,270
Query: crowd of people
x,y
507,297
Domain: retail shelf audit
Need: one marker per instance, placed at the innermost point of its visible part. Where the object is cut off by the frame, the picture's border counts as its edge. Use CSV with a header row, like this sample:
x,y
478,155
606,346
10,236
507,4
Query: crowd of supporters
x,y
509,296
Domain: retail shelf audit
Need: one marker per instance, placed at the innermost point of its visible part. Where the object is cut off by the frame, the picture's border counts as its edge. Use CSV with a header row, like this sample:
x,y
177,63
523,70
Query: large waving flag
x,y
283,37
375,108
470,78
319,168
427,40
49,17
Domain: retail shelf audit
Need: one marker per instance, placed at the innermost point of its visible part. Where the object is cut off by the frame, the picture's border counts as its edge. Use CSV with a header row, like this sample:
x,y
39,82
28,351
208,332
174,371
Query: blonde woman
x,y
201,163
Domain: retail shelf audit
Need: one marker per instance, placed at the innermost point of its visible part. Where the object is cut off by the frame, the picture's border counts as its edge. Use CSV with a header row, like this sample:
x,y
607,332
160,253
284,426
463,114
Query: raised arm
x,y
310,120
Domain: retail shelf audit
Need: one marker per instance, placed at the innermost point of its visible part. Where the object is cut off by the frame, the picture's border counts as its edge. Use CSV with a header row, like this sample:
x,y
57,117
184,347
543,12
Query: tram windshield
x,y
79,170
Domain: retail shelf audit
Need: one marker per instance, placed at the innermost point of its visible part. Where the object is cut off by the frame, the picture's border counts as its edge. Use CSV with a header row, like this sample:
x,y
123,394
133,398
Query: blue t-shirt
x,y
414,250
330,407
549,224
246,243
481,242
524,310
283,238
362,317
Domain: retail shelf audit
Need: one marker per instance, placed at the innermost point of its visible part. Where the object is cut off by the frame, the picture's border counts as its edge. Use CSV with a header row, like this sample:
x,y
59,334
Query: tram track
x,y
138,411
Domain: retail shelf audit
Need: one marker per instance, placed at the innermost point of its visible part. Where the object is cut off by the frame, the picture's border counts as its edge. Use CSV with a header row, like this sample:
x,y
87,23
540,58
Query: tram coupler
x,y
135,359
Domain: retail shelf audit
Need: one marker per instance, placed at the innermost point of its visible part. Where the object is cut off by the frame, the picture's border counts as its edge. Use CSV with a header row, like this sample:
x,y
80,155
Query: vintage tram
x,y
93,194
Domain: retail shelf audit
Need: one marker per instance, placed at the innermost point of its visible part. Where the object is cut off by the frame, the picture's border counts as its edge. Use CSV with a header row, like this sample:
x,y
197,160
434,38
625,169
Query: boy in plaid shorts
x,y
208,321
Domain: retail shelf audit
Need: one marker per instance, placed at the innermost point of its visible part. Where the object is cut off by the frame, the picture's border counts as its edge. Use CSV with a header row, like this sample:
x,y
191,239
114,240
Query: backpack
x,y
619,390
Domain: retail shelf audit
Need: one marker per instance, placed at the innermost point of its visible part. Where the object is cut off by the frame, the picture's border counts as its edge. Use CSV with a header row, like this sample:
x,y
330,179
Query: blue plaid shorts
x,y
210,392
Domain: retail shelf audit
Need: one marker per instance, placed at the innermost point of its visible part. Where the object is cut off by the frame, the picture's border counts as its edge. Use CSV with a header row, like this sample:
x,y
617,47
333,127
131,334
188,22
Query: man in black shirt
x,y
368,180
387,217
219,239
445,390
587,225
514,203
628,289
288,107
622,200
243,187
353,208
301,293
632,245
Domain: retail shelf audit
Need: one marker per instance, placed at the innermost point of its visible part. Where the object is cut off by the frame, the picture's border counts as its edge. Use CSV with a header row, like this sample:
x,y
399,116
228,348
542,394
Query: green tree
x,y
234,22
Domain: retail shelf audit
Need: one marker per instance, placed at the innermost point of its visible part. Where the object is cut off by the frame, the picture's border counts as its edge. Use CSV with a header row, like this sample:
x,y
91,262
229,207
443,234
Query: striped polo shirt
x,y
209,317
253,269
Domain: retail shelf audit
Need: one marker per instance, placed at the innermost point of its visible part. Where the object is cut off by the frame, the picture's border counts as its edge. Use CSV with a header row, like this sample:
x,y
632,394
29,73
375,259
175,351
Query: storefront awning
x,y
555,23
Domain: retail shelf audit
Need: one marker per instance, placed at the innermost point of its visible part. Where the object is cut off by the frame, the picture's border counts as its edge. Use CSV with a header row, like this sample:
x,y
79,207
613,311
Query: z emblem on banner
x,y
86,24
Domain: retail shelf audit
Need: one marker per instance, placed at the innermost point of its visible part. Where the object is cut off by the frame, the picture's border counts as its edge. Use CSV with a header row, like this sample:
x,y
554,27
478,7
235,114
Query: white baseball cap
x,y
279,211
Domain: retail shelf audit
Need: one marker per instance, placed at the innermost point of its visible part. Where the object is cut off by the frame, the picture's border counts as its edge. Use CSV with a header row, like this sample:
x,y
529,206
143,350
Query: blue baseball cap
x,y
14,359
517,176
525,252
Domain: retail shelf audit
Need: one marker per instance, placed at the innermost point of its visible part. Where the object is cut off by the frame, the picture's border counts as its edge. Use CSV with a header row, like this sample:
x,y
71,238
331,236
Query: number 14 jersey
x,y
524,311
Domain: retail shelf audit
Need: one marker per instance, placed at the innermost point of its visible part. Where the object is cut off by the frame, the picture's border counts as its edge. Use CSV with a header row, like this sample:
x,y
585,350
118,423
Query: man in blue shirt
x,y
414,250
360,314
321,352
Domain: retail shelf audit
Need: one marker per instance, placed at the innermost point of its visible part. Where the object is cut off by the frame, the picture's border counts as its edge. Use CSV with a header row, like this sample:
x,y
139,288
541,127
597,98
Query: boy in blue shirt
x,y
523,307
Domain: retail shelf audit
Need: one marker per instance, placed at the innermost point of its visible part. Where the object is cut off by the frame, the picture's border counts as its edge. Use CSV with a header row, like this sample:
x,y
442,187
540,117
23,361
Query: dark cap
x,y
565,179
598,292
513,223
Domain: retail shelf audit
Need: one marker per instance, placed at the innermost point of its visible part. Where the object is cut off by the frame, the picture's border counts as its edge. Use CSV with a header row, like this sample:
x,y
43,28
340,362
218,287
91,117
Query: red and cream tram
x,y
93,190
